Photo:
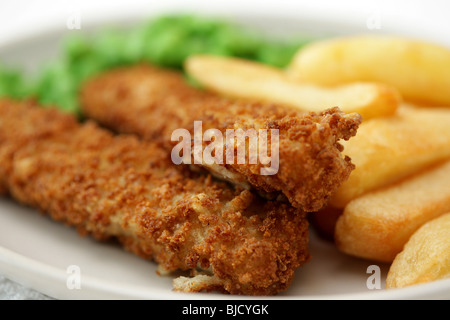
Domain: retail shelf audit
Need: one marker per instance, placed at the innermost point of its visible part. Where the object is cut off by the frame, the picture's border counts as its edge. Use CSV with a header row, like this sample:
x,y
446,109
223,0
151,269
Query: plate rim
x,y
24,271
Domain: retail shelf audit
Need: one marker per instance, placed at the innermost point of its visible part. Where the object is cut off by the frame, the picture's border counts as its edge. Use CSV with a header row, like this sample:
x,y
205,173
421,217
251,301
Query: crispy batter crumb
x,y
153,102
120,187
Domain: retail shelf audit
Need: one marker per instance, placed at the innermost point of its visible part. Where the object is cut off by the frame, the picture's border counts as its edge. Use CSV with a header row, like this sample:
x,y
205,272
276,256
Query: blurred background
x,y
417,17
65,42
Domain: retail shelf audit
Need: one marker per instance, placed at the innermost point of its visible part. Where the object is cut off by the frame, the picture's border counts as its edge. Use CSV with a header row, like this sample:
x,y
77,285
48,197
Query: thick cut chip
x,y
386,150
426,256
419,70
239,78
377,225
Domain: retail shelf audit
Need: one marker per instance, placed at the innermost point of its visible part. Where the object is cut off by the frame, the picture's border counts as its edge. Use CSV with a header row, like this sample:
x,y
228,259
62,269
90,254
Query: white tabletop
x,y
11,290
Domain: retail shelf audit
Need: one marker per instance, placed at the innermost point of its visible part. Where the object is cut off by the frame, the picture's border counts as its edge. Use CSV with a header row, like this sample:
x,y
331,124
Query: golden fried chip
x,y
377,225
386,150
239,78
426,256
419,70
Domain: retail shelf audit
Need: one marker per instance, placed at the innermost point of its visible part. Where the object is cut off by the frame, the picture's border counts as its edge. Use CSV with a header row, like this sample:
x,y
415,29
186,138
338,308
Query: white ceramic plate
x,y
40,253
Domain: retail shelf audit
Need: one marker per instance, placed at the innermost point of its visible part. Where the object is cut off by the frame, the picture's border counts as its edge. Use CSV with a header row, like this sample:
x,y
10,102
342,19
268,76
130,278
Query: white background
x,y
426,19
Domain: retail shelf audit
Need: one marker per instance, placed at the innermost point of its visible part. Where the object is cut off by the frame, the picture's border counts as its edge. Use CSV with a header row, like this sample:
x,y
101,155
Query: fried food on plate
x,y
153,103
386,150
120,187
239,78
377,225
419,70
426,256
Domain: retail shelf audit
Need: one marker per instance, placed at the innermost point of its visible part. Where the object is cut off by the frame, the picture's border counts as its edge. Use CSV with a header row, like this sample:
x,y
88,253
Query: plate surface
x,y
44,255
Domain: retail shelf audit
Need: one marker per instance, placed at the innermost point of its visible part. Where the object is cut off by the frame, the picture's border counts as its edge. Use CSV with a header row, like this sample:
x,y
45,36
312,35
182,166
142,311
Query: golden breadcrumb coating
x,y
120,187
153,102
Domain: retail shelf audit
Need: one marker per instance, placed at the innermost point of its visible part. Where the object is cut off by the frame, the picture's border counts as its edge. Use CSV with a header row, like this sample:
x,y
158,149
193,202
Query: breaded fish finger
x,y
119,187
153,103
